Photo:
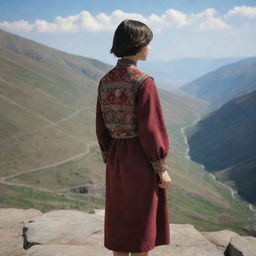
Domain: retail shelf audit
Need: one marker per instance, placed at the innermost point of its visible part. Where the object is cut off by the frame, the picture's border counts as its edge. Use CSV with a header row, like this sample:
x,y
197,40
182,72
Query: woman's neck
x,y
130,58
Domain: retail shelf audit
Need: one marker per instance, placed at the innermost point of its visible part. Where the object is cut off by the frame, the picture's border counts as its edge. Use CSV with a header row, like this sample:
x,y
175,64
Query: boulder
x,y
220,238
29,232
187,241
12,221
241,246
63,227
83,233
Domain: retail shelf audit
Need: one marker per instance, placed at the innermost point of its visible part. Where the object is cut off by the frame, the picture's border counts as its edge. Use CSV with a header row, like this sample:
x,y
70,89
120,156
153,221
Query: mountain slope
x,y
53,58
224,83
225,140
49,148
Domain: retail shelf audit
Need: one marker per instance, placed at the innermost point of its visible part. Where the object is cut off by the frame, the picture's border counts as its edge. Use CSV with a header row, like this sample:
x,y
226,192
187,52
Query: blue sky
x,y
182,28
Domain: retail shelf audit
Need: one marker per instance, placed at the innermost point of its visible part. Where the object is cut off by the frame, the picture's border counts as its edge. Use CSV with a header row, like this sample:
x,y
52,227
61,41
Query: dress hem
x,y
136,251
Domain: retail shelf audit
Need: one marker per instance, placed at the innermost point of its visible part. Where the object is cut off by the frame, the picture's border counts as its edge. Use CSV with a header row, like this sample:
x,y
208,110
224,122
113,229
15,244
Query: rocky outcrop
x,y
220,238
186,241
241,246
12,221
29,232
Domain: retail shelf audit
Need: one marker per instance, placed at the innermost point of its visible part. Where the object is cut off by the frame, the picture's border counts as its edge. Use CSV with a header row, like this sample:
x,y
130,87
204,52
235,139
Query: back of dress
x,y
125,96
118,91
134,143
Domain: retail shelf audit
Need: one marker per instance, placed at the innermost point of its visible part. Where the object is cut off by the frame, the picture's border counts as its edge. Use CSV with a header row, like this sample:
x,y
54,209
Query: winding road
x,y
3,179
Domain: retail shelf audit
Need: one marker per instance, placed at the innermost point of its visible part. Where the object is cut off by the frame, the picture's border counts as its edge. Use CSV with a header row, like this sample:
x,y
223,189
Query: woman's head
x,y
131,37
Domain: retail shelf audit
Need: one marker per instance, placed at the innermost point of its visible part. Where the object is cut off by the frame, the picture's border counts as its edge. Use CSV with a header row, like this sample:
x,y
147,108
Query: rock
x,y
10,217
63,227
241,246
220,238
99,212
75,232
187,241
80,229
12,221
67,250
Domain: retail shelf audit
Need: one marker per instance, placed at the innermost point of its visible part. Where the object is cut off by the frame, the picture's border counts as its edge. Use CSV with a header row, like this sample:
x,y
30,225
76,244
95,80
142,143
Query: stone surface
x,y
220,238
74,232
86,230
187,241
63,227
67,250
12,221
9,217
241,246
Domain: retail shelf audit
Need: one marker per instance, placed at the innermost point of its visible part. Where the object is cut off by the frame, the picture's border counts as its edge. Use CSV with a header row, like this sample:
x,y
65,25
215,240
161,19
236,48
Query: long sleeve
x,y
102,131
153,134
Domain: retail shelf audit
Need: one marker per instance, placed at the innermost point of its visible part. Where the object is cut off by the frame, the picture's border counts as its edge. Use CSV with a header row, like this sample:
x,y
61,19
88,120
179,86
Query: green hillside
x,y
48,143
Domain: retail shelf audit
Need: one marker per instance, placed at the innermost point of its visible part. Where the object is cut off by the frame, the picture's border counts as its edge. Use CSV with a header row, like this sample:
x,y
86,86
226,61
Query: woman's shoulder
x,y
132,74
144,78
140,76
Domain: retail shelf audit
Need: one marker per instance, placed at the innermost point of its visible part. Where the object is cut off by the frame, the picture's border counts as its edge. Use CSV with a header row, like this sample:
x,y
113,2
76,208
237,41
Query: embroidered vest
x,y
117,92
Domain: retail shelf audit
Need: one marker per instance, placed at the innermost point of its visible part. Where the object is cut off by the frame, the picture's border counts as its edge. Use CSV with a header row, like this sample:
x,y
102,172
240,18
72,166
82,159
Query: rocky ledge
x,y
30,232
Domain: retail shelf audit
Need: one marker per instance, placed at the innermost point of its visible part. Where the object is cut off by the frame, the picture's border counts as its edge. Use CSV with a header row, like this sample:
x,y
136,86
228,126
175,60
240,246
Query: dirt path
x,y
3,180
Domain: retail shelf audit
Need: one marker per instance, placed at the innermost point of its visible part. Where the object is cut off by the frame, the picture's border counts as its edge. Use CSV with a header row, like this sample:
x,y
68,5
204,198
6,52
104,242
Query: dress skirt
x,y
136,208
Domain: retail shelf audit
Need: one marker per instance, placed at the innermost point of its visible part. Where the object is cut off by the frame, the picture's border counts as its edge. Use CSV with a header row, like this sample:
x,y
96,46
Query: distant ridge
x,y
224,83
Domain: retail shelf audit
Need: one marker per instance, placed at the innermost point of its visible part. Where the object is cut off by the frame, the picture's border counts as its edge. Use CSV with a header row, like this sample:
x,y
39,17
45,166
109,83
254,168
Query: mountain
x,y
50,158
174,74
224,83
51,58
224,141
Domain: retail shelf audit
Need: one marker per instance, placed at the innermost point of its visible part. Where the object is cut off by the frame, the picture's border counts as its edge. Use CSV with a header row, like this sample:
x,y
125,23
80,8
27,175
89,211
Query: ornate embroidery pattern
x,y
159,165
118,91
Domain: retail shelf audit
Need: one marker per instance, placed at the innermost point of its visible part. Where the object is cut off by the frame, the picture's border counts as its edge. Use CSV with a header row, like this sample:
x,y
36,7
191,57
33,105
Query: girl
x,y
134,143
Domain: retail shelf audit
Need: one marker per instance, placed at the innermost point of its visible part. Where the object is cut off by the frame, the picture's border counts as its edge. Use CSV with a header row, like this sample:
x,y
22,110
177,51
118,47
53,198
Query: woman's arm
x,y
152,130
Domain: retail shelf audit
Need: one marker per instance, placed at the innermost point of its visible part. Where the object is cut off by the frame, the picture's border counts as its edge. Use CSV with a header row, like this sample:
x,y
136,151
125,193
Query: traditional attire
x,y
134,143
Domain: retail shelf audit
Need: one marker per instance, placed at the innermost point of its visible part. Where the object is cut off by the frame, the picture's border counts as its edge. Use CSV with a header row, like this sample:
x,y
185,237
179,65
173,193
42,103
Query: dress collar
x,y
126,63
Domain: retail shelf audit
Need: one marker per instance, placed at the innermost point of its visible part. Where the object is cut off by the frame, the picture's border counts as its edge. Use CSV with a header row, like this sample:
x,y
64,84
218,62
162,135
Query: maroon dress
x,y
134,143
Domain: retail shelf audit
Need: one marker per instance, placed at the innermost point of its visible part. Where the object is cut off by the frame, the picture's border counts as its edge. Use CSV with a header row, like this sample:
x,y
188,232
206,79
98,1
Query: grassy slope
x,y
52,120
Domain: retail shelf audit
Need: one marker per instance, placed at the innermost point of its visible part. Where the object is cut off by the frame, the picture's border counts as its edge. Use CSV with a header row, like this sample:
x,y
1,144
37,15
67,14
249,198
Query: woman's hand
x,y
165,179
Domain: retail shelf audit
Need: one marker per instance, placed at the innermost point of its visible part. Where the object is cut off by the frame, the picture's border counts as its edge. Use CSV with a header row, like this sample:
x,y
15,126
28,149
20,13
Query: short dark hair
x,y
130,37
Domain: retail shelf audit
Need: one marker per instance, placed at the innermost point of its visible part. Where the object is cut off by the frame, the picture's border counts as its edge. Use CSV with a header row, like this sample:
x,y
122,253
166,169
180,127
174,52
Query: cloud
x,y
102,22
207,20
214,24
245,11
21,25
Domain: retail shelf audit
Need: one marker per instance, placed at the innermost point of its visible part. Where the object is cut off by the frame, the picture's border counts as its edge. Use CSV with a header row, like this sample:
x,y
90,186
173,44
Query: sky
x,y
181,28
